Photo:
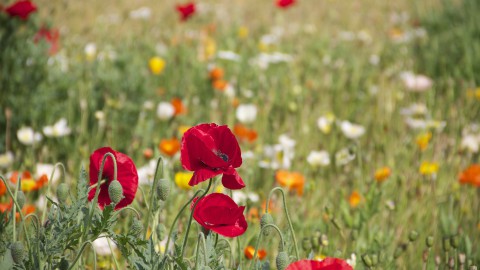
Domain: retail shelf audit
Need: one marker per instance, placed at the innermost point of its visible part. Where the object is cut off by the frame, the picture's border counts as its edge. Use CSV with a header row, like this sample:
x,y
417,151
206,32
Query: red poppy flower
x,y
51,36
21,9
326,264
186,11
285,3
126,174
210,150
219,213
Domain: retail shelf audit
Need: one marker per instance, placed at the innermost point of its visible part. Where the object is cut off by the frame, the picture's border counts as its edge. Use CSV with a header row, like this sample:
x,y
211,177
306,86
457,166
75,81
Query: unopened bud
x,y
163,189
413,236
161,231
62,192
17,252
282,260
429,241
137,227
115,191
446,244
21,199
264,221
455,241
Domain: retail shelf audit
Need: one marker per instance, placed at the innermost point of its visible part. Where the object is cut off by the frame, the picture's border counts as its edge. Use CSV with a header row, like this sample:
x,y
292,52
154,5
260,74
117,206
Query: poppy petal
x,y
232,180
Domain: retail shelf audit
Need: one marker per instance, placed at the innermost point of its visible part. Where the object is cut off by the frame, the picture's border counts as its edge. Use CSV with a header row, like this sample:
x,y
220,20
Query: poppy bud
x,y
62,192
429,241
455,241
115,191
306,244
163,189
265,220
161,231
446,244
63,265
282,260
21,199
137,227
367,260
413,236
17,252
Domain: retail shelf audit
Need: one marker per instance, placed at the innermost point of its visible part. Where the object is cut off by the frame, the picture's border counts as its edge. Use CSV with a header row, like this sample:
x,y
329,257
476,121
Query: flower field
x,y
240,134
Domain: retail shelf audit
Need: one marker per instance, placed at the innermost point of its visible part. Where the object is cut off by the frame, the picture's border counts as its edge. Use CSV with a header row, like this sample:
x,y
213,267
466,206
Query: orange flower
x,y
354,199
235,102
27,209
244,133
216,74
178,105
471,175
250,251
6,206
148,153
3,188
291,180
382,174
169,147
423,140
253,214
220,85
28,183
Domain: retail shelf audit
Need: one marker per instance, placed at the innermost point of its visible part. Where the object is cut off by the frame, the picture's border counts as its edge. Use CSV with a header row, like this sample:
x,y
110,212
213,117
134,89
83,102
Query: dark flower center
x,y
221,155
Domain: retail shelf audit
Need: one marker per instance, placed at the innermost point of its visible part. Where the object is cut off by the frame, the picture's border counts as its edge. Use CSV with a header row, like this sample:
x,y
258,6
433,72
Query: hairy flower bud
x,y
21,199
161,231
282,260
62,192
17,252
265,220
136,227
115,191
163,189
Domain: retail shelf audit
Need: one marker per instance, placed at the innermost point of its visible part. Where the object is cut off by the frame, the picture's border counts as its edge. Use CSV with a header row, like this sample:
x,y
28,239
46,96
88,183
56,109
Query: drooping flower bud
x,y
161,231
21,199
163,189
17,252
136,227
265,220
62,192
115,191
282,260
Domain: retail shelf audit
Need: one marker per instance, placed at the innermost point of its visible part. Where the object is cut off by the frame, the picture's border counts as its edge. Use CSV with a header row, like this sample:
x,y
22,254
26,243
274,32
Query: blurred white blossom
x,y
246,113
165,110
59,129
28,136
318,158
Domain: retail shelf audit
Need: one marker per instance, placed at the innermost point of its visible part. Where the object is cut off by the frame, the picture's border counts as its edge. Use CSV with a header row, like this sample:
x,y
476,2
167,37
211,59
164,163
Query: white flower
x,y
142,13
146,173
325,122
228,55
279,155
90,51
165,110
101,246
263,60
352,131
229,91
318,158
344,156
437,125
148,105
414,109
59,129
28,136
416,82
248,155
286,141
47,169
470,143
246,113
352,261
415,123
241,197
6,159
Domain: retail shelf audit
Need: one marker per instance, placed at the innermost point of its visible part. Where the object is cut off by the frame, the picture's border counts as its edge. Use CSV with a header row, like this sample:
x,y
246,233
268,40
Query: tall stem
x,y
44,213
152,193
191,216
113,254
201,237
80,254
260,237
286,214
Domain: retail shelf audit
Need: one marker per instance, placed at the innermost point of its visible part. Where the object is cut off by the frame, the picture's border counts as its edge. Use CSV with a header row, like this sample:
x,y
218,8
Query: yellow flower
x,y
28,185
423,140
319,257
219,189
242,32
210,48
474,93
182,179
156,65
382,174
354,199
183,128
429,168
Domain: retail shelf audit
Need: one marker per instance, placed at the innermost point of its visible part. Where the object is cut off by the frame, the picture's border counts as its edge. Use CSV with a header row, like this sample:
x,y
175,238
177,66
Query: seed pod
x,y
265,220
161,231
446,244
21,199
137,227
455,241
429,241
163,189
413,236
282,260
115,191
63,265
62,192
17,252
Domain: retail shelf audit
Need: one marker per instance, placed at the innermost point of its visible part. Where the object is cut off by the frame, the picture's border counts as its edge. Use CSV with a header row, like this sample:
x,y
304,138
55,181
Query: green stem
x,y
14,209
201,236
97,188
152,193
37,221
260,237
288,217
80,254
44,213
128,208
239,252
191,216
177,217
232,259
113,255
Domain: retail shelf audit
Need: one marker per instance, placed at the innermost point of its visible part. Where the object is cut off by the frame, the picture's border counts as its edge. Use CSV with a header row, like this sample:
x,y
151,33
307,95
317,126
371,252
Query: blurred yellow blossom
x,y
219,189
382,174
429,168
354,199
156,65
474,93
183,128
242,32
423,140
182,179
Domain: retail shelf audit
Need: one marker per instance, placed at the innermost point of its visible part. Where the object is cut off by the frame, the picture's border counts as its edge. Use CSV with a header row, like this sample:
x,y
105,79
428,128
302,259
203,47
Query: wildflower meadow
x,y
240,134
